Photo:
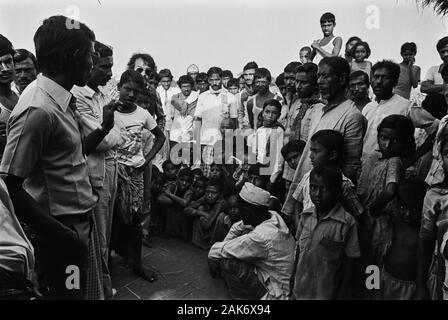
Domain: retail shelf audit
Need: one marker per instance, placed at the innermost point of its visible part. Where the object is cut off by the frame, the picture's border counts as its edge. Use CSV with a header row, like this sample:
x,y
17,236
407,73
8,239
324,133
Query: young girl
x,y
269,133
327,148
131,165
409,73
433,239
360,52
379,179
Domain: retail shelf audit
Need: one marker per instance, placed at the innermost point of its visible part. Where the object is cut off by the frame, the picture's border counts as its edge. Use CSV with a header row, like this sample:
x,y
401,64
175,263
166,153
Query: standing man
x,y
102,162
359,88
243,96
8,98
384,79
25,65
433,80
338,114
46,148
216,109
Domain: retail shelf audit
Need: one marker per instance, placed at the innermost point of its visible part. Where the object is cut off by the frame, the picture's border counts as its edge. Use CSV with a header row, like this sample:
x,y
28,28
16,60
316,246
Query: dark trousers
x,y
58,263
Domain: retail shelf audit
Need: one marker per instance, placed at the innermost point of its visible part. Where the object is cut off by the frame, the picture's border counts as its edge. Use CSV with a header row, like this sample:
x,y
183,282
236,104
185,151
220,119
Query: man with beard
x,y
102,162
384,79
262,79
25,65
359,88
337,114
45,147
433,79
8,98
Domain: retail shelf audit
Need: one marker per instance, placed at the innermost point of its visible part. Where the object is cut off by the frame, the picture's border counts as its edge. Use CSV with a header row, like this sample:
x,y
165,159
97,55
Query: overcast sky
x,y
229,33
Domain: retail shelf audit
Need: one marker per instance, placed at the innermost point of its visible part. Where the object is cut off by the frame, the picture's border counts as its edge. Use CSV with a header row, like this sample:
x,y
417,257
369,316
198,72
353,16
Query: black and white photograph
x,y
229,152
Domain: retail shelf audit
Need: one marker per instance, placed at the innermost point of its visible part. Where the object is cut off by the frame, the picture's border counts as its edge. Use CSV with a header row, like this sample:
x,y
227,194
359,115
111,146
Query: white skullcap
x,y
254,195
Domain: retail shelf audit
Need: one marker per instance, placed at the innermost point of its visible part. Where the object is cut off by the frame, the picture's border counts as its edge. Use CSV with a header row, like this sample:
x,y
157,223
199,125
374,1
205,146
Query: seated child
x,y
172,202
400,262
291,152
226,219
219,172
197,173
327,241
157,221
204,217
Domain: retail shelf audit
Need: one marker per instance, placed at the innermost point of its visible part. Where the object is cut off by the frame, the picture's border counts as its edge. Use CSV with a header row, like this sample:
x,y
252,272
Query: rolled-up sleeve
x,y
247,247
28,135
353,139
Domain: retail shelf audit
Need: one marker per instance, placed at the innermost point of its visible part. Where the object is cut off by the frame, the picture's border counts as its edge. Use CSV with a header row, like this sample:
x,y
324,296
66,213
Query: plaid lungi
x,y
94,283
206,159
130,187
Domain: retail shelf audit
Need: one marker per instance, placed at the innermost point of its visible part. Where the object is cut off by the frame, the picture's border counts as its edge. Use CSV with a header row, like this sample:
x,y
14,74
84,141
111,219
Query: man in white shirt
x,y
256,258
216,111
433,80
384,79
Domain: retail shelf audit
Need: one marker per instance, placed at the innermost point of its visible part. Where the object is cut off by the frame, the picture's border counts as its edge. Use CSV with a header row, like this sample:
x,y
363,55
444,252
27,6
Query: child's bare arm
x,y
384,198
178,200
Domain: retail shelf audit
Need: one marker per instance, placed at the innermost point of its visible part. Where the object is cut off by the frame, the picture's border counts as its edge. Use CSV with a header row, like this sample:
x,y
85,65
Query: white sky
x,y
229,33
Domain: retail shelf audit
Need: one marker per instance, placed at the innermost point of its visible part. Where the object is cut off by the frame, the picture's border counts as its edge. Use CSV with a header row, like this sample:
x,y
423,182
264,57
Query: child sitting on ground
x,y
204,217
400,262
172,203
378,183
327,241
226,219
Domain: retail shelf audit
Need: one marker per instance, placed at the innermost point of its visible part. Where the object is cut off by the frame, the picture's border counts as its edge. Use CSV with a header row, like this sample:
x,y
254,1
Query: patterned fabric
x,y
296,125
207,160
129,193
94,283
436,174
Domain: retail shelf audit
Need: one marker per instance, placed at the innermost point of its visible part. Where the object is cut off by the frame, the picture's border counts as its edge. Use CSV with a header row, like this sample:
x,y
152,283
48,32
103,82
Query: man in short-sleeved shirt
x,y
433,80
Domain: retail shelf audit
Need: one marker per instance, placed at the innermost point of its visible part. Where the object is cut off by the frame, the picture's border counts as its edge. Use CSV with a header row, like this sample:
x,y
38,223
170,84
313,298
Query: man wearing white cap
x,y
256,258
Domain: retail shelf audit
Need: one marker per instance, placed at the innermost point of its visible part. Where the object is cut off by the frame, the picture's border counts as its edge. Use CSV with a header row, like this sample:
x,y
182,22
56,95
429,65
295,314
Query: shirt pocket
x,y
330,250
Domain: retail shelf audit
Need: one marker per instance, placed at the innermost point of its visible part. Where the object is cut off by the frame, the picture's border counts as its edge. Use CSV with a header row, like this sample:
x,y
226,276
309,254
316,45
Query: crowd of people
x,y
294,185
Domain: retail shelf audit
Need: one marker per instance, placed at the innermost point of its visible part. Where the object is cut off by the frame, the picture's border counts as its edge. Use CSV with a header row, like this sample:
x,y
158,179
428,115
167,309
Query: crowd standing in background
x,y
293,184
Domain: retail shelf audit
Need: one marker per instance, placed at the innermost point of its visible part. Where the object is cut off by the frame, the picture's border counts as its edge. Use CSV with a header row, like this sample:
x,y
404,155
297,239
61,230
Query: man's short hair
x,y
411,46
310,69
359,73
442,43
339,66
5,46
201,77
293,145
330,174
165,73
132,76
250,65
233,82
185,79
145,57
23,54
55,44
394,69
227,73
262,73
214,70
328,17
103,50
280,80
185,172
291,67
